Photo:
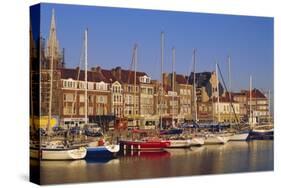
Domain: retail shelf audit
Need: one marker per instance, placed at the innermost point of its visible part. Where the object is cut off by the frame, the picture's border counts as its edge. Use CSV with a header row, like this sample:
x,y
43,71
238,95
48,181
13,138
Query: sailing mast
x,y
161,77
194,87
135,80
173,82
86,77
51,74
229,89
218,93
269,116
251,115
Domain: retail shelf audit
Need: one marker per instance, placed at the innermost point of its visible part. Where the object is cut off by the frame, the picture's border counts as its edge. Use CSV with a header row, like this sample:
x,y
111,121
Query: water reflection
x,y
210,159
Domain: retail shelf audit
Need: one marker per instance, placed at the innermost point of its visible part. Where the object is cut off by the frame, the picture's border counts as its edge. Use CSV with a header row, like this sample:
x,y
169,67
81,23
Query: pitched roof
x,y
92,76
97,74
181,79
108,75
128,76
256,93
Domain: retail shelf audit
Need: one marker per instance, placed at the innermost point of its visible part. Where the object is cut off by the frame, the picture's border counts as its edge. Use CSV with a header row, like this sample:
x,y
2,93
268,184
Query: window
x,y
91,110
90,85
69,97
101,99
81,110
81,98
101,86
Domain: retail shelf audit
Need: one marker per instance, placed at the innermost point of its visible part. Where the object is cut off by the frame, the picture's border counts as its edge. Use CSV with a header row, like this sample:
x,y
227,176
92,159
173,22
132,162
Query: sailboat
x,y
261,131
238,135
217,138
55,150
106,149
143,144
196,140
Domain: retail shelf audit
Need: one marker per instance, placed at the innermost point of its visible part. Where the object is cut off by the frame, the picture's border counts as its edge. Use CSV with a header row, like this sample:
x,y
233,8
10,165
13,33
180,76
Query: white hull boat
x,y
216,139
63,154
59,154
239,137
179,143
197,141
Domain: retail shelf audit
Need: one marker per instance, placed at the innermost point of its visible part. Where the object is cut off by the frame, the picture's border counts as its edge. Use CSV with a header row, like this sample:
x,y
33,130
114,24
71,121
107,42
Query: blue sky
x,y
113,32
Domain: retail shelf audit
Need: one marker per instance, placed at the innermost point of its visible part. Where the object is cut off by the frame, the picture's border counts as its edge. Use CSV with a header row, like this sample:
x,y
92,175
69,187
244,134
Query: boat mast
x,y
229,89
173,82
251,115
269,116
194,86
51,73
86,76
161,77
218,93
135,79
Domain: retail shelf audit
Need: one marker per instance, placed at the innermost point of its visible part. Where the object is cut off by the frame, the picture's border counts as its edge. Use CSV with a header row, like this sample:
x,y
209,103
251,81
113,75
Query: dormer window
x,y
145,79
101,86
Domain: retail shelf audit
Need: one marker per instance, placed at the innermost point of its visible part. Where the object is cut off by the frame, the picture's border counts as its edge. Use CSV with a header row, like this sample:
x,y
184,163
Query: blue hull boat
x,y
107,151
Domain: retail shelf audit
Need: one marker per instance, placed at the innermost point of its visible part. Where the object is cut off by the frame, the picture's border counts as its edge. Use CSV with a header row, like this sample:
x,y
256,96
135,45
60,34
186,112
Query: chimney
x,y
118,71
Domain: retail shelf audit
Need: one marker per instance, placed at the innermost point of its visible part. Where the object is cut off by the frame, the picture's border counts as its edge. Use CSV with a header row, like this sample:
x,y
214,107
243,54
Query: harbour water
x,y
232,157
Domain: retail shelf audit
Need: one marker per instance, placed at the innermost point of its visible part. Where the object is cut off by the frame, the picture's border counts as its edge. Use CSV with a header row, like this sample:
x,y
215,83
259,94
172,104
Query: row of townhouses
x,y
125,94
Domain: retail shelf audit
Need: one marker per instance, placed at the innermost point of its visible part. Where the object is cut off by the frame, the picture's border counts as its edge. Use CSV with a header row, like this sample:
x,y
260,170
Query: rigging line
x,y
132,63
227,91
77,86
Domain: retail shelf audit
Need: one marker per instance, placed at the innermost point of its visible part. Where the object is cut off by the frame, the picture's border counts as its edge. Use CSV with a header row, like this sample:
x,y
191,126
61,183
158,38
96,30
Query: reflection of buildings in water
x,y
260,150
139,155
224,157
63,164
178,151
50,170
197,150
102,160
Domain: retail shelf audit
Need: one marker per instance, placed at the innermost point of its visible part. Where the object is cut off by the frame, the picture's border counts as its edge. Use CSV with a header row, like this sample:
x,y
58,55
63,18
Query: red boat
x,y
144,145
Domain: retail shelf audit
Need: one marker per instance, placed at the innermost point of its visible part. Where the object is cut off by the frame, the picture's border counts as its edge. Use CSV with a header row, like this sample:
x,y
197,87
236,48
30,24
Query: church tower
x,y
53,41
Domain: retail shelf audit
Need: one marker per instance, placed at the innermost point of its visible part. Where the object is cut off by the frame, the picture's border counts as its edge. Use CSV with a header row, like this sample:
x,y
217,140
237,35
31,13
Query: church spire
x,y
52,40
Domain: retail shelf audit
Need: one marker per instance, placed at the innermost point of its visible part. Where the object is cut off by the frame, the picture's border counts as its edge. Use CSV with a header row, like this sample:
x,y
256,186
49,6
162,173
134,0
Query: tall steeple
x,y
52,40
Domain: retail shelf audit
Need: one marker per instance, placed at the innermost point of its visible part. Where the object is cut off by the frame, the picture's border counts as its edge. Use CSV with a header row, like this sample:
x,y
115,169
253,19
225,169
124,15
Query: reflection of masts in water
x,y
173,82
162,81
